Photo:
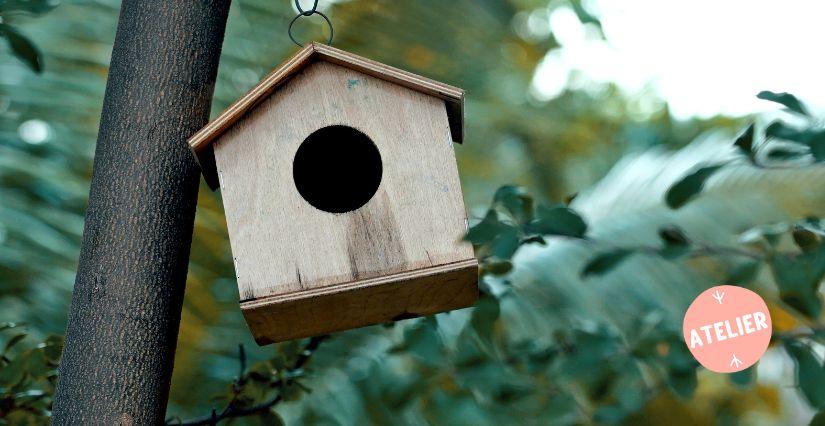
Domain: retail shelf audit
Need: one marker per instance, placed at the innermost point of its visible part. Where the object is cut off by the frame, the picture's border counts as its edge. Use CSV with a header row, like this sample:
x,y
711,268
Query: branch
x,y
233,411
705,249
698,249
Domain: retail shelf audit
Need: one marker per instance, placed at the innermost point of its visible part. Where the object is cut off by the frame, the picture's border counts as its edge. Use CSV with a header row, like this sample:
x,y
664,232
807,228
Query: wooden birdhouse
x,y
342,196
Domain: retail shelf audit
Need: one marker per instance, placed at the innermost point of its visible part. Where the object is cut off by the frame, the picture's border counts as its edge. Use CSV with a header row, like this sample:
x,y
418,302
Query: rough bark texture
x,y
128,294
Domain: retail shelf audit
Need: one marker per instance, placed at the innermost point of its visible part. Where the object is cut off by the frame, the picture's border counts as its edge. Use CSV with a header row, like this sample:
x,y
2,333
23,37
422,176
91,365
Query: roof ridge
x,y
201,142
279,75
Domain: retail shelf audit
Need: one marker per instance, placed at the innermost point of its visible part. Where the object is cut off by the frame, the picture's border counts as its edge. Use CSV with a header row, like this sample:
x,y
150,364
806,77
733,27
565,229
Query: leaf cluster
x,y
512,221
21,46
258,389
796,144
28,374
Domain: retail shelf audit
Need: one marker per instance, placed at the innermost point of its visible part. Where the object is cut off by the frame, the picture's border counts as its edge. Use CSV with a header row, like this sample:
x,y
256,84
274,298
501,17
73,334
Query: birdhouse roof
x,y
201,142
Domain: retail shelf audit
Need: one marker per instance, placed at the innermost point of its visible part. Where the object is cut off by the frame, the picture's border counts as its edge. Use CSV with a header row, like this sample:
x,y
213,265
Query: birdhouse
x,y
342,195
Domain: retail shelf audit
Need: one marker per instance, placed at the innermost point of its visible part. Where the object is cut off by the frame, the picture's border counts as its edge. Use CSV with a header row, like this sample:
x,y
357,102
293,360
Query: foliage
x,y
654,347
27,376
20,45
781,145
270,381
585,369
580,319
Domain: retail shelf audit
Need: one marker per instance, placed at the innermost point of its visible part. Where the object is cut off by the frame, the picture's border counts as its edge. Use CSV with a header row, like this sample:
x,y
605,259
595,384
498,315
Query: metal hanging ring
x,y
307,12
315,12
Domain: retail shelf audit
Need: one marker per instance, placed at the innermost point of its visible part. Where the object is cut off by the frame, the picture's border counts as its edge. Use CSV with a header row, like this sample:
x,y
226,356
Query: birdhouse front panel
x,y
343,205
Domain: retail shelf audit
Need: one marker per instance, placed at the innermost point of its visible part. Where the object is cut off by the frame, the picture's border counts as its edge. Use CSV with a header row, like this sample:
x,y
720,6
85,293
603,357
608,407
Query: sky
x,y
704,57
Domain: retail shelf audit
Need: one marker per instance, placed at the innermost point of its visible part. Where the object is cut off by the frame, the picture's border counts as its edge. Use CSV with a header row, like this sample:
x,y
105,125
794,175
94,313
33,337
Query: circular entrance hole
x,y
337,169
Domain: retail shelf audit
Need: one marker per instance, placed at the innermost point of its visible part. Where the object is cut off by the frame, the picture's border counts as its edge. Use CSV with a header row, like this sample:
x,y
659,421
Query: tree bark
x,y
128,294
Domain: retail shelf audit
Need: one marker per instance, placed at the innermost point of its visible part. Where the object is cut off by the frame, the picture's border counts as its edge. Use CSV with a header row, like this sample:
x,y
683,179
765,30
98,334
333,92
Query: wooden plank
x,y
282,244
388,73
453,96
364,302
264,88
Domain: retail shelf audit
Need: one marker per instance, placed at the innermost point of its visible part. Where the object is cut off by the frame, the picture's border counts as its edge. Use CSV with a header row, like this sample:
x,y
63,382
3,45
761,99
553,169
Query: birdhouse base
x,y
362,302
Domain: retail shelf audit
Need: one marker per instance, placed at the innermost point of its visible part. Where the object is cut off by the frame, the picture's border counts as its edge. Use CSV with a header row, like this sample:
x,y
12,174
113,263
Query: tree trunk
x,y
128,294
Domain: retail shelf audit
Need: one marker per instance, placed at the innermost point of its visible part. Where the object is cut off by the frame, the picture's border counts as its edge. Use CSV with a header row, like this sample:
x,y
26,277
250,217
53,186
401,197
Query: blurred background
x,y
613,101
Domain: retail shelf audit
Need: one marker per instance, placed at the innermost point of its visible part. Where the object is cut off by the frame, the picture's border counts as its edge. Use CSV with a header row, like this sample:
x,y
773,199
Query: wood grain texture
x,y
281,244
280,75
285,249
453,96
314,52
128,294
366,302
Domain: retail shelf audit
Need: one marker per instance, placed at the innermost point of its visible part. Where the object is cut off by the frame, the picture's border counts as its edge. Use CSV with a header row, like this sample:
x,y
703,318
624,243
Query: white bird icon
x,y
735,362
718,296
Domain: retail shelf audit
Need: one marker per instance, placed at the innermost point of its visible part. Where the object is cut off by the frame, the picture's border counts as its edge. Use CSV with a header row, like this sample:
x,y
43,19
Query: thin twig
x,y
696,249
242,360
705,249
232,411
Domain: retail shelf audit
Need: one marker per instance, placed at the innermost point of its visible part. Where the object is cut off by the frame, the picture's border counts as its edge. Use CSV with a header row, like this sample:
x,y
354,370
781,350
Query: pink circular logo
x,y
727,328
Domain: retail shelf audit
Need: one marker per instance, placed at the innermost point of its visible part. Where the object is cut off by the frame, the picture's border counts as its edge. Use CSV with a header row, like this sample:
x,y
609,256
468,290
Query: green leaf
x,y
17,338
780,130
485,314
486,231
498,267
676,243
683,191
516,201
681,368
537,239
806,239
814,139
52,348
818,420
291,391
423,342
784,153
798,277
505,244
673,236
744,378
810,373
610,414
585,358
605,262
818,150
745,141
788,100
36,364
30,6
558,220
21,417
260,372
270,418
743,272
682,382
561,405
22,47
629,387
13,373
813,224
